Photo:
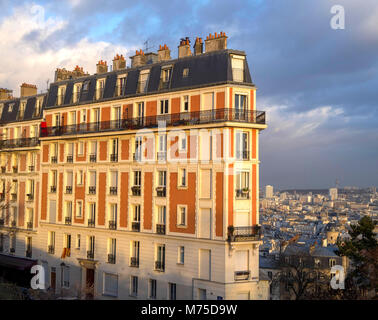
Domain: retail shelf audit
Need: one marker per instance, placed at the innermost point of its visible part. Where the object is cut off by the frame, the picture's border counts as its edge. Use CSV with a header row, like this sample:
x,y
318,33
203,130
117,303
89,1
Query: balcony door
x,y
204,230
241,219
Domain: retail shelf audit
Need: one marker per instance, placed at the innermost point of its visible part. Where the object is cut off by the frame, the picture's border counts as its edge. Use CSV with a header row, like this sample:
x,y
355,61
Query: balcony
x,y
242,155
31,168
51,249
30,197
162,156
1,222
135,190
13,197
19,143
69,159
249,233
113,190
92,190
114,157
161,191
93,158
68,221
12,250
29,225
137,156
54,159
135,226
90,254
134,262
160,228
91,223
68,189
13,224
242,193
3,169
159,266
28,253
113,225
175,119
15,169
53,189
111,258
242,275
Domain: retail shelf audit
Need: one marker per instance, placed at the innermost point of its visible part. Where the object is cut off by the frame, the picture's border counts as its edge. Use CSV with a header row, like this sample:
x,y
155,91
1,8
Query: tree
x,y
362,249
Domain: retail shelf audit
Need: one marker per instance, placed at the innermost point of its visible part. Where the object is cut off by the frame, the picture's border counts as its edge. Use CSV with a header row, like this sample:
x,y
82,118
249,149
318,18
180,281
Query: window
x,y
242,184
67,242
92,182
69,181
164,104
332,262
160,257
79,209
100,88
10,107
166,74
112,251
78,241
152,289
37,109
162,153
53,182
113,216
137,178
182,177
114,150
70,152
138,148
80,177
121,85
317,262
76,93
92,214
242,143
80,148
66,276
237,64
162,180
240,105
134,286
172,291
91,246
185,72
12,243
181,216
136,216
134,254
61,94
110,284
161,214
143,81
68,210
181,255
113,182
22,110
182,145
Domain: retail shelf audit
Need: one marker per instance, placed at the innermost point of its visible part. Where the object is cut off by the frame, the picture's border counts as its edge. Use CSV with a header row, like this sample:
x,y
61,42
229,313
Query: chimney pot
x,y
28,90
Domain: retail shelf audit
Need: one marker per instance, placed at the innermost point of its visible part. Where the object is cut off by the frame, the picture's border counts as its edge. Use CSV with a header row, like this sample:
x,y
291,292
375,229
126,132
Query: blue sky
x,y
318,85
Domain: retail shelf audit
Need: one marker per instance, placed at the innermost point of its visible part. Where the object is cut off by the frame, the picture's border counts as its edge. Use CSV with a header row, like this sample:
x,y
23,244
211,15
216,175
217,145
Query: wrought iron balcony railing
x,y
31,168
113,225
3,169
135,226
92,190
242,193
176,119
134,262
162,155
111,258
159,266
242,154
248,233
137,156
68,220
52,189
13,196
160,228
29,225
51,249
30,197
90,254
242,275
54,159
19,143
114,157
93,157
91,223
161,191
69,158
68,189
28,253
135,190
15,169
113,190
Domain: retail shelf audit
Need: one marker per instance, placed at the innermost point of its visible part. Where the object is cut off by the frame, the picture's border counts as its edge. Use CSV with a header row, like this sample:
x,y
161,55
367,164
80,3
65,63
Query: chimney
x,y
63,74
198,46
216,42
119,62
5,94
324,242
139,59
151,57
164,53
102,67
184,48
28,90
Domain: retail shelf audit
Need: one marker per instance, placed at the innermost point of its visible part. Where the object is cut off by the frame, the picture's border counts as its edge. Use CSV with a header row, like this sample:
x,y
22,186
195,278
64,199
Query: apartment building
x,y
148,175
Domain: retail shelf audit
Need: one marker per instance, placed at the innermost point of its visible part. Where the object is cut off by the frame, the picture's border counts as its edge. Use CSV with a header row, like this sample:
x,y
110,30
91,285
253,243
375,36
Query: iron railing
x,y
114,157
51,249
91,223
28,253
134,262
90,254
135,226
31,168
29,225
68,189
162,155
159,266
19,143
242,193
52,189
92,190
54,159
248,233
13,196
112,225
30,197
68,220
242,155
242,275
160,228
111,258
70,158
113,190
176,119
135,190
15,169
93,158
161,191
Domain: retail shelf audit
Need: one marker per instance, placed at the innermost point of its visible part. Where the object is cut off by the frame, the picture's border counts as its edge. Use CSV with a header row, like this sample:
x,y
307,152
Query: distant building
x,y
333,193
269,191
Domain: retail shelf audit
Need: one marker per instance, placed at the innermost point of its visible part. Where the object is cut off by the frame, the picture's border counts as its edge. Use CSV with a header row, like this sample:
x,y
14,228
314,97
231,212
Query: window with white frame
x,y
181,215
78,241
172,291
332,262
242,184
242,145
68,209
185,103
66,276
161,215
152,289
110,284
113,213
134,286
136,213
181,255
137,178
164,106
182,177
143,81
79,208
162,178
80,148
182,142
80,177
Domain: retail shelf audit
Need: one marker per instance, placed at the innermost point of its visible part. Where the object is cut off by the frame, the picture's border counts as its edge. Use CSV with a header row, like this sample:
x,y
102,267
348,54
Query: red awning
x,y
16,263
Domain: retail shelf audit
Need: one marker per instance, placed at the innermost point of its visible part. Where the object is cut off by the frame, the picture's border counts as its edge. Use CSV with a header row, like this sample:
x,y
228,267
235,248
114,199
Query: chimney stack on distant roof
x,y
5,94
63,74
216,42
119,62
102,67
164,53
28,90
198,46
184,48
139,59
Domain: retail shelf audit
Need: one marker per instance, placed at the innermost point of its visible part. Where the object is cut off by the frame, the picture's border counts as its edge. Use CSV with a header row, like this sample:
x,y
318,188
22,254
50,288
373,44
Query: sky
x,y
318,85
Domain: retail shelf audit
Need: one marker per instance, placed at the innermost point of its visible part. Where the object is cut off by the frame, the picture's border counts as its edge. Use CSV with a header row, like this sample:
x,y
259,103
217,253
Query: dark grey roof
x,y
268,263
206,69
11,116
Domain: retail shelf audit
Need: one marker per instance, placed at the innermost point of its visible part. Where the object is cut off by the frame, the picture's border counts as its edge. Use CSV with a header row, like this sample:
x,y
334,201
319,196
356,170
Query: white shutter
x,y
241,260
208,101
52,211
205,183
110,284
205,264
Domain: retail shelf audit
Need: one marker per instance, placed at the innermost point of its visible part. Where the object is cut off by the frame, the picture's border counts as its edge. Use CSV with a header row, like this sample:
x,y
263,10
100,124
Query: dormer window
x,y
121,85
76,92
237,63
185,72
143,81
100,88
165,77
10,107
37,109
21,112
61,95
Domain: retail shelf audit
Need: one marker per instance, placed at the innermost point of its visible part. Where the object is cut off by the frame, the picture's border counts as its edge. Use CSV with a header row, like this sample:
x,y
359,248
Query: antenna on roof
x,y
47,84
146,48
